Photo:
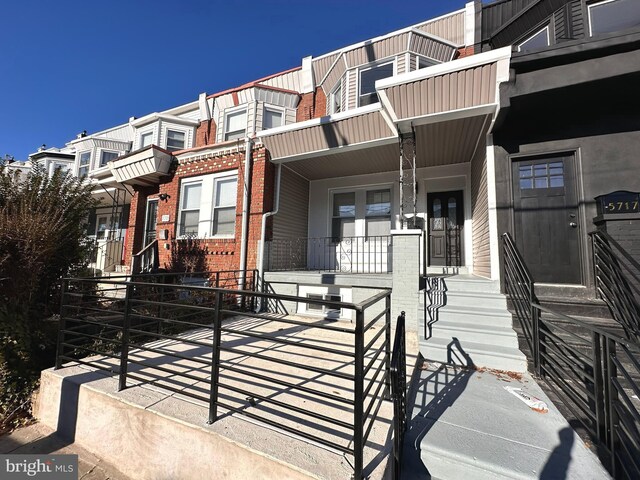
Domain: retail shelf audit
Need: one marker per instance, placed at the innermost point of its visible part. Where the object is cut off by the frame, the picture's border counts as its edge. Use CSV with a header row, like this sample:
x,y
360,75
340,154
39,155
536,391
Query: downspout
x,y
245,212
263,230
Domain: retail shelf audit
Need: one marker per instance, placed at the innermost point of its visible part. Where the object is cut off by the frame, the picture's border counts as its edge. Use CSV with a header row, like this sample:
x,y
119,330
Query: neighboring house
x,y
568,134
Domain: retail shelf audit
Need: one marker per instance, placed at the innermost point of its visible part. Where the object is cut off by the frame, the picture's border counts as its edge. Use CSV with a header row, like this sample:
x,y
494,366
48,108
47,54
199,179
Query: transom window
x,y
368,78
542,175
272,118
107,156
235,125
146,139
613,15
208,206
540,39
83,164
175,140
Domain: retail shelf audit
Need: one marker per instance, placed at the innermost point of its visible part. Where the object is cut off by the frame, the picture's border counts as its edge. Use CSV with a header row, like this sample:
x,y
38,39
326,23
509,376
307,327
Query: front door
x,y
545,216
446,220
151,220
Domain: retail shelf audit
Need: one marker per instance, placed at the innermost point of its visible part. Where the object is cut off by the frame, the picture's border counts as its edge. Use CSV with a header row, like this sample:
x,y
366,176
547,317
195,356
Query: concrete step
x,y
467,353
485,316
473,332
475,299
462,283
447,271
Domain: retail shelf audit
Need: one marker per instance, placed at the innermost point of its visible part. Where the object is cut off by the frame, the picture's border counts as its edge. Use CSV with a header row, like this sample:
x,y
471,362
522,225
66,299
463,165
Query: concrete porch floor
x,y
158,420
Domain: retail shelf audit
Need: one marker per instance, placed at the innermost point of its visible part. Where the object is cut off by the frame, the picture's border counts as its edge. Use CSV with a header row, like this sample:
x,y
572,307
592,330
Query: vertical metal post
x,y
535,332
124,352
387,340
62,325
358,388
215,360
598,388
611,397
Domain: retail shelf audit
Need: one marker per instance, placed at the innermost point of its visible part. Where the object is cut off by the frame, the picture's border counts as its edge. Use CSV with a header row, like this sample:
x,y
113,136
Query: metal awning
x,y
144,167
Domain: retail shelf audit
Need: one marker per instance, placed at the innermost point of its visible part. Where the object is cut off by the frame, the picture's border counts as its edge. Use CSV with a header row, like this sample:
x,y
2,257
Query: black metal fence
x,y
321,380
371,254
618,282
595,373
399,393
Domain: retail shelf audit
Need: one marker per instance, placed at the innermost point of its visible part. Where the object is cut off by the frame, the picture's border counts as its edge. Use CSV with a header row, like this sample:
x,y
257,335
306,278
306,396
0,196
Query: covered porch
x,y
417,159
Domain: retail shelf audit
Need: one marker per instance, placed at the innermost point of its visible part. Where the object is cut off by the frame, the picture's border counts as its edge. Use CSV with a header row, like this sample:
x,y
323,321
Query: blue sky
x,y
69,66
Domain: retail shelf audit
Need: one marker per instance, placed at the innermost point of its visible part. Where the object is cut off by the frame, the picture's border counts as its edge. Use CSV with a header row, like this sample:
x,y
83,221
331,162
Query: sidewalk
x,y
38,438
464,424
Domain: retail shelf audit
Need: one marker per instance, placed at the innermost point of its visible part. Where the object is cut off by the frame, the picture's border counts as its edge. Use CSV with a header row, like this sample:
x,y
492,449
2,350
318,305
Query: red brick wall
x,y
465,52
222,254
312,105
206,133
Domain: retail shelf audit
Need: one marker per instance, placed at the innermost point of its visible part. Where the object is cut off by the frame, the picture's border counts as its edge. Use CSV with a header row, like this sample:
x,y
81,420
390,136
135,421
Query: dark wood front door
x,y
151,220
445,212
546,218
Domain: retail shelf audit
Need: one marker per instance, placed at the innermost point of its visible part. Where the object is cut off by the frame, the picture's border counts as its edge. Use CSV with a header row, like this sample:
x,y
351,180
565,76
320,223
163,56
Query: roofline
x,y
256,83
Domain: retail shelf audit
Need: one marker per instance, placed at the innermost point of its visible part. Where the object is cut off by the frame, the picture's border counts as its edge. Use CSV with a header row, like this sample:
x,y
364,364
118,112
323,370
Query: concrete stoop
x,y
464,424
472,327
149,433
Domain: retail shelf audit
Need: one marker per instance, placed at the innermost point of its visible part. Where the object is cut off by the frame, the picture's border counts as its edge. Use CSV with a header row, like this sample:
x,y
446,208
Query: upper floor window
x,y
368,77
425,62
107,156
540,39
175,140
335,105
146,139
613,15
235,125
272,118
83,164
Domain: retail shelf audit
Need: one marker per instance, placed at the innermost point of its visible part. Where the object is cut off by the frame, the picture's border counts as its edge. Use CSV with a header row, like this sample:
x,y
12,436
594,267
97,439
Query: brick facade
x,y
465,52
221,254
312,105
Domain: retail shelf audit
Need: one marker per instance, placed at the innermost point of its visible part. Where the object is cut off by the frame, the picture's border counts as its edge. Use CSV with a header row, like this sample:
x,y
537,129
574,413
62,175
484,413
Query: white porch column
x,y
406,277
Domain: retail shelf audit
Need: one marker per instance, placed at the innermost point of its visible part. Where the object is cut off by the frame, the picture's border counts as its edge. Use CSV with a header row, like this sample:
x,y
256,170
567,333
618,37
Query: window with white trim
x,y
271,118
83,164
378,213
175,140
425,62
335,100
106,156
540,39
146,139
343,221
368,77
613,15
208,205
235,125
364,212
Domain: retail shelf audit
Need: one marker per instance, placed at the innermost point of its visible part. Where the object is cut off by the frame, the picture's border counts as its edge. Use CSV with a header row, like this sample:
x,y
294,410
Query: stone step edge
x,y
479,348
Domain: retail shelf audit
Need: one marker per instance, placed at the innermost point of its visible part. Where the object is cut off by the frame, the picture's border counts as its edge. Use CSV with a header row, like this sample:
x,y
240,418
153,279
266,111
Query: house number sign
x,y
619,202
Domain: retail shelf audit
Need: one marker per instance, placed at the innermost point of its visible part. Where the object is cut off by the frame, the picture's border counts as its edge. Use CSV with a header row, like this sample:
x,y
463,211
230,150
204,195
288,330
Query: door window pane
x,y
437,208
613,15
541,175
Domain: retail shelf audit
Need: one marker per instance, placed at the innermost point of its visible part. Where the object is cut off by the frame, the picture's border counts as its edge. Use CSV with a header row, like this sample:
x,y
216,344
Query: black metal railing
x,y
146,260
399,393
371,254
433,291
211,345
618,282
595,373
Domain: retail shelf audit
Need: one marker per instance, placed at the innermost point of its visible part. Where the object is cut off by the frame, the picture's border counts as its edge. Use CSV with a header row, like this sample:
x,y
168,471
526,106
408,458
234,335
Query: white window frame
x,y
102,152
360,228
233,111
590,6
547,27
431,62
207,203
144,133
345,294
173,128
371,66
273,109
87,165
214,207
338,87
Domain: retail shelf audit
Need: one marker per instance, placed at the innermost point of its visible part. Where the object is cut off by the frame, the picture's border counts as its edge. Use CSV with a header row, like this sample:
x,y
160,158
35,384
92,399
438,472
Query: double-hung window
x,y
367,93
146,139
106,156
175,140
190,197
613,15
378,213
83,164
344,216
208,206
235,125
271,118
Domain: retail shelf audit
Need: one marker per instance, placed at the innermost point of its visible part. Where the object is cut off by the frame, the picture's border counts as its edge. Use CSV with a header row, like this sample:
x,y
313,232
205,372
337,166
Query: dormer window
x,y
235,124
146,139
335,104
175,140
272,118
368,77
540,39
613,15
83,164
107,156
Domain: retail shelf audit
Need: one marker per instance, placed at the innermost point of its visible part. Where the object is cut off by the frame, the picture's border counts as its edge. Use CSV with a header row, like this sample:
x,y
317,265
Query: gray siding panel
x,y
322,65
387,47
450,28
480,214
292,218
495,15
431,48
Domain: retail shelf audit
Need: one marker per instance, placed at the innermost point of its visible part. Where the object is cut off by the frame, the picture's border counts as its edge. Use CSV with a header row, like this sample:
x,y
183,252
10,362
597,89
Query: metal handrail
x,y
136,258
595,375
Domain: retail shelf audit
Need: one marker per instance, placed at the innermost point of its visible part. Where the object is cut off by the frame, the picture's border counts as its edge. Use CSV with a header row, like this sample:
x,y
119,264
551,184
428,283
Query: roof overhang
x,y
144,167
